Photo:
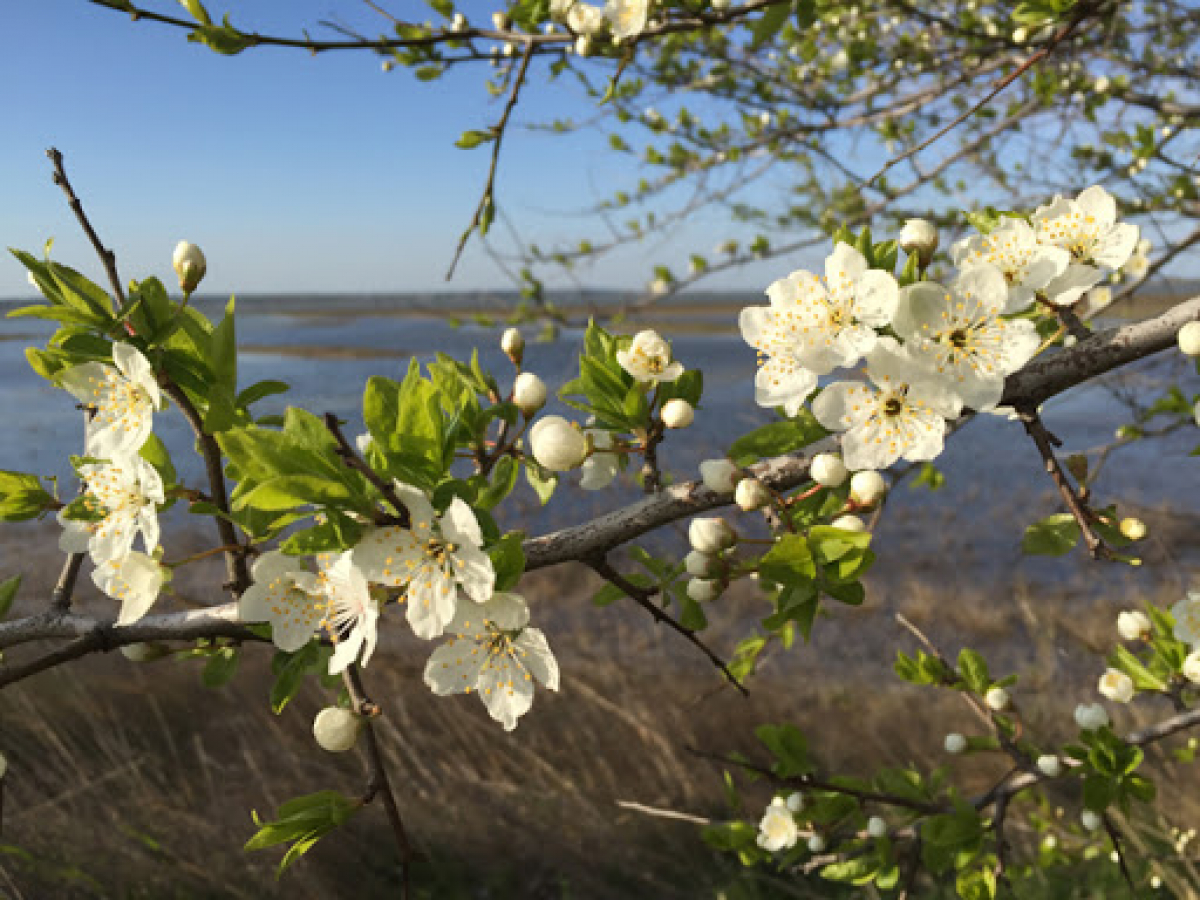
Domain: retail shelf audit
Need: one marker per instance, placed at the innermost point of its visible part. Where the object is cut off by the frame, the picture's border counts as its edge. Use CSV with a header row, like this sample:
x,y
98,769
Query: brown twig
x,y
1115,836
353,461
60,599
486,200
641,596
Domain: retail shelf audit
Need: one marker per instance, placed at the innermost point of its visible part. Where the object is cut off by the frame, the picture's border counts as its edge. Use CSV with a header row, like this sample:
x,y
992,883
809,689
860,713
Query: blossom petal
x,y
454,667
533,651
459,525
388,555
506,689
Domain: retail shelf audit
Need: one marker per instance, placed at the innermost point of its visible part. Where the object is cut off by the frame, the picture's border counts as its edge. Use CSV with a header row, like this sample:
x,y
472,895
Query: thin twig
x,y
486,200
60,599
1115,837
353,461
641,596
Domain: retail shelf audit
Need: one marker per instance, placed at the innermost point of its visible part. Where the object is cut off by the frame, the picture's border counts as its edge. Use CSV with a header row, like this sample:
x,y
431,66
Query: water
x,y
995,485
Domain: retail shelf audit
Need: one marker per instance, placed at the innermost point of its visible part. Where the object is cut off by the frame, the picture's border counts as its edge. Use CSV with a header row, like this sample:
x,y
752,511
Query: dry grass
x,y
134,781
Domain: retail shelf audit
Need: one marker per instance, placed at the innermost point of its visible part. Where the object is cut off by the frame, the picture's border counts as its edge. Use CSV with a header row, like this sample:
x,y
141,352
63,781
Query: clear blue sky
x,y
292,172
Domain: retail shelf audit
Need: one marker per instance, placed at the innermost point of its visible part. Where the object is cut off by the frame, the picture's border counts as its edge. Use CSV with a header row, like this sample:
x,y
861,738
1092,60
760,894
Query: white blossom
x,y
996,698
336,729
189,264
1090,716
955,743
711,535
1013,247
720,475
648,359
919,236
557,444
1133,625
1049,765
135,579
900,413
960,335
1188,339
124,397
777,830
627,18
431,559
876,827
867,488
351,614
678,413
701,565
125,497
703,589
513,344
1138,265
1191,667
600,468
828,470
751,494
496,654
849,523
529,393
277,598
1186,614
585,19
1087,228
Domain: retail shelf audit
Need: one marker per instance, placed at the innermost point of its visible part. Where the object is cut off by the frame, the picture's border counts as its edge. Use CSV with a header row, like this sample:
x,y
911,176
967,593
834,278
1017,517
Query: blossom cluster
x,y
930,350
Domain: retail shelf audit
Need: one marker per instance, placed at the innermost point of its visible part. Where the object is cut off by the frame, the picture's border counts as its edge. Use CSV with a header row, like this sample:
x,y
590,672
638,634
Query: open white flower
x,y
431,560
1013,248
901,413
1088,229
124,399
585,19
600,468
1116,686
135,579
1186,614
627,18
813,325
777,830
125,495
495,653
278,598
351,614
648,359
959,333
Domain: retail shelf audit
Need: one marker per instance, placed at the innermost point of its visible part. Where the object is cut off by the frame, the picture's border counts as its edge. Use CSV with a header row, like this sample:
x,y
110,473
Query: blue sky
x,y
292,172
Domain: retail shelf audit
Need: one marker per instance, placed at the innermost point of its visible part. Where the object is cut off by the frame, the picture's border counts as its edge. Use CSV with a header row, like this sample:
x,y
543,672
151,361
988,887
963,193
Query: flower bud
x,y
1189,339
529,393
795,802
849,523
751,494
867,488
828,470
996,698
1134,529
500,21
1090,820
701,565
720,475
711,535
1133,625
189,265
703,589
1116,686
557,444
876,827
583,45
955,743
336,729
458,23
1191,667
678,413
513,345
919,236
1049,765
816,844
1090,716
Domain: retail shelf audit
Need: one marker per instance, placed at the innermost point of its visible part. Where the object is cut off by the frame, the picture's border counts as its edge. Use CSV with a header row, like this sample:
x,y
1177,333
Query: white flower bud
x,y
1191,667
500,21
1189,339
387,65
867,488
996,698
1090,716
955,743
828,470
711,535
1134,529
1091,821
458,23
1133,625
1101,84
1116,686
701,565
876,827
189,265
795,802
678,413
751,494
513,345
336,729
1049,765
919,236
557,444
529,393
816,844
703,589
849,523
583,45
720,475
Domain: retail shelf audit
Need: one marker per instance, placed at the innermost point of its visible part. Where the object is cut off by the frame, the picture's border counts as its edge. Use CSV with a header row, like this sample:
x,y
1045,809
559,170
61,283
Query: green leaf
x,y
223,352
789,562
8,593
337,532
974,671
290,669
1052,536
789,748
472,139
220,668
770,24
503,480
302,822
291,491
1143,678
508,559
542,482
260,390
22,497
777,439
